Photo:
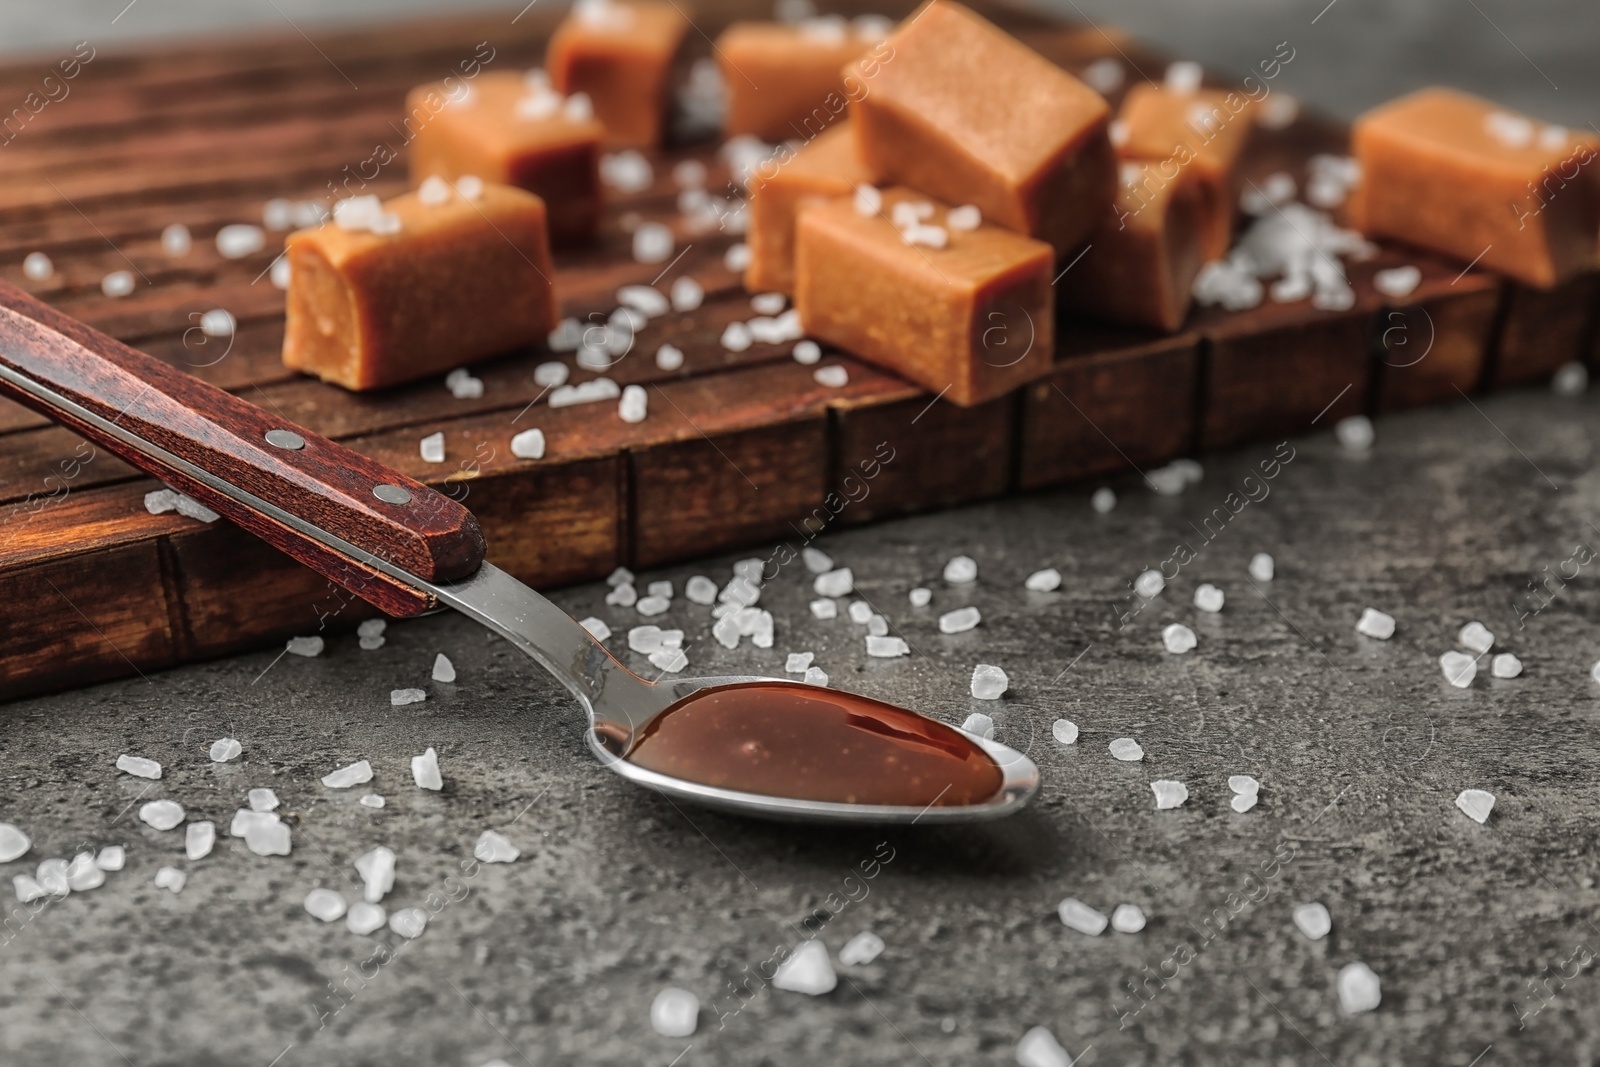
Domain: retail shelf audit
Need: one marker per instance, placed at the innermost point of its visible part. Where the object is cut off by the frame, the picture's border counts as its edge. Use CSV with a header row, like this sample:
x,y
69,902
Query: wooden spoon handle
x,y
201,441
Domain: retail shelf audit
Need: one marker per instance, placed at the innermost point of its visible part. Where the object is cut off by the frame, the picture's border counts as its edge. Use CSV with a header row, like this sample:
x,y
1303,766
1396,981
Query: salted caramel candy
x,y
1454,173
1202,134
1143,257
824,168
622,56
429,281
952,105
512,128
786,80
962,307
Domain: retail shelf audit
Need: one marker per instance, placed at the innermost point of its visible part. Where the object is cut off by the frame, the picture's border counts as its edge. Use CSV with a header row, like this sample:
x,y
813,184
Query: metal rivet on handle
x,y
391,494
286,439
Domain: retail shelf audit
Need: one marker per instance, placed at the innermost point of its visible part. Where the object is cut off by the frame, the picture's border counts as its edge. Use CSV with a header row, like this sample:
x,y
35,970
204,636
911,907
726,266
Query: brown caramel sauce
x,y
813,743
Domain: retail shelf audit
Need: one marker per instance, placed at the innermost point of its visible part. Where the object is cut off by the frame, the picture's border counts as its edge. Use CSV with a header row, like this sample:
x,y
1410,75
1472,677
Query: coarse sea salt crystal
x,y
861,949
840,582
262,800
267,839
816,561
1476,636
1243,784
674,1012
652,605
225,749
1476,804
1149,583
364,918
1243,802
644,639
1313,920
1127,919
118,283
566,337
634,405
868,201
815,676
432,448
798,662
1505,665
13,842
960,570
859,611
920,597
51,875
1208,598
823,609
1397,281
959,621
737,257
1262,567
886,647
623,596
372,627
1375,624
669,357
399,698
1355,434
1039,1048
325,904
345,777
171,878
768,303
809,352
425,771
245,818
469,187
139,766
1184,76
1103,500
372,800
807,970
83,875
529,444
1459,668
493,848
443,669
218,322
1169,794
162,814
1178,638
111,858
28,890
1104,75
1045,581
1078,916
377,873
700,589
462,385
989,682
37,266
1064,731
979,724
409,922
1570,379
626,171
198,840
597,628
1359,988
1127,750
965,218
176,240
647,300
877,625
670,660
239,240
832,376
652,243
686,294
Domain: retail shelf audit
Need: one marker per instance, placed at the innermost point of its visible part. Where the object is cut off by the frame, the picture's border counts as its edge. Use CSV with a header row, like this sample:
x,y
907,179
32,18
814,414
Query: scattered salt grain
x,y
736,337
1513,131
1355,434
1244,784
493,848
372,800
462,385
965,218
824,609
1149,583
859,611
877,625
959,621
634,405
1262,567
1397,281
1570,379
1375,624
432,448
816,560
868,201
768,303
111,858
345,777
218,322
1313,920
1103,500
1169,794
409,922
325,904
161,501
1064,731
267,839
1104,75
171,878
1127,750
1243,802
198,840
807,352
920,597
364,918
52,877
670,660
1127,919
176,240
1039,1048
37,266
529,444
815,676
13,842
399,698
1359,988
989,682
377,873
27,889
425,771
979,725
1078,916
566,337
1208,598
244,818
652,243
1178,638
225,749
469,187
626,172
861,949
807,970
700,589
263,800
644,299
960,570
162,814
1459,668
240,240
597,628
139,766
886,647
798,662
1505,665
832,376
669,357
1184,76
737,258
83,875
1476,636
118,283
927,236
1476,804
653,605
674,1012
686,294
434,191
1045,581
840,582
1278,111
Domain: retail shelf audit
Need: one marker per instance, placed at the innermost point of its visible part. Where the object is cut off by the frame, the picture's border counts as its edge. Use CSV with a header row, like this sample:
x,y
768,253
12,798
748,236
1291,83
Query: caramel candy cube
x,y
966,313
824,168
512,128
1142,260
1202,134
622,55
786,80
955,107
1451,172
422,284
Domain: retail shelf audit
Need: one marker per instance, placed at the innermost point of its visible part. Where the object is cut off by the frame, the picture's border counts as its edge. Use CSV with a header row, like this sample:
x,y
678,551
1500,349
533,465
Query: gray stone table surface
x,y
1482,935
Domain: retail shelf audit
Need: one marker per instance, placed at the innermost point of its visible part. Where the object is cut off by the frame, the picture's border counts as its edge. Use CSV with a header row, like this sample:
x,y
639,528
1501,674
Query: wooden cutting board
x,y
740,449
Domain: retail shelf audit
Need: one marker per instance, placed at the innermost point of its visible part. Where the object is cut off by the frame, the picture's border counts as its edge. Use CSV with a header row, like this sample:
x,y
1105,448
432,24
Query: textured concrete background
x,y
1360,746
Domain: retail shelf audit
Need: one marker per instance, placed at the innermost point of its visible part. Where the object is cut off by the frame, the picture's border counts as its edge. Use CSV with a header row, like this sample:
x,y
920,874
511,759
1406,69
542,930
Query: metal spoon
x,y
391,540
